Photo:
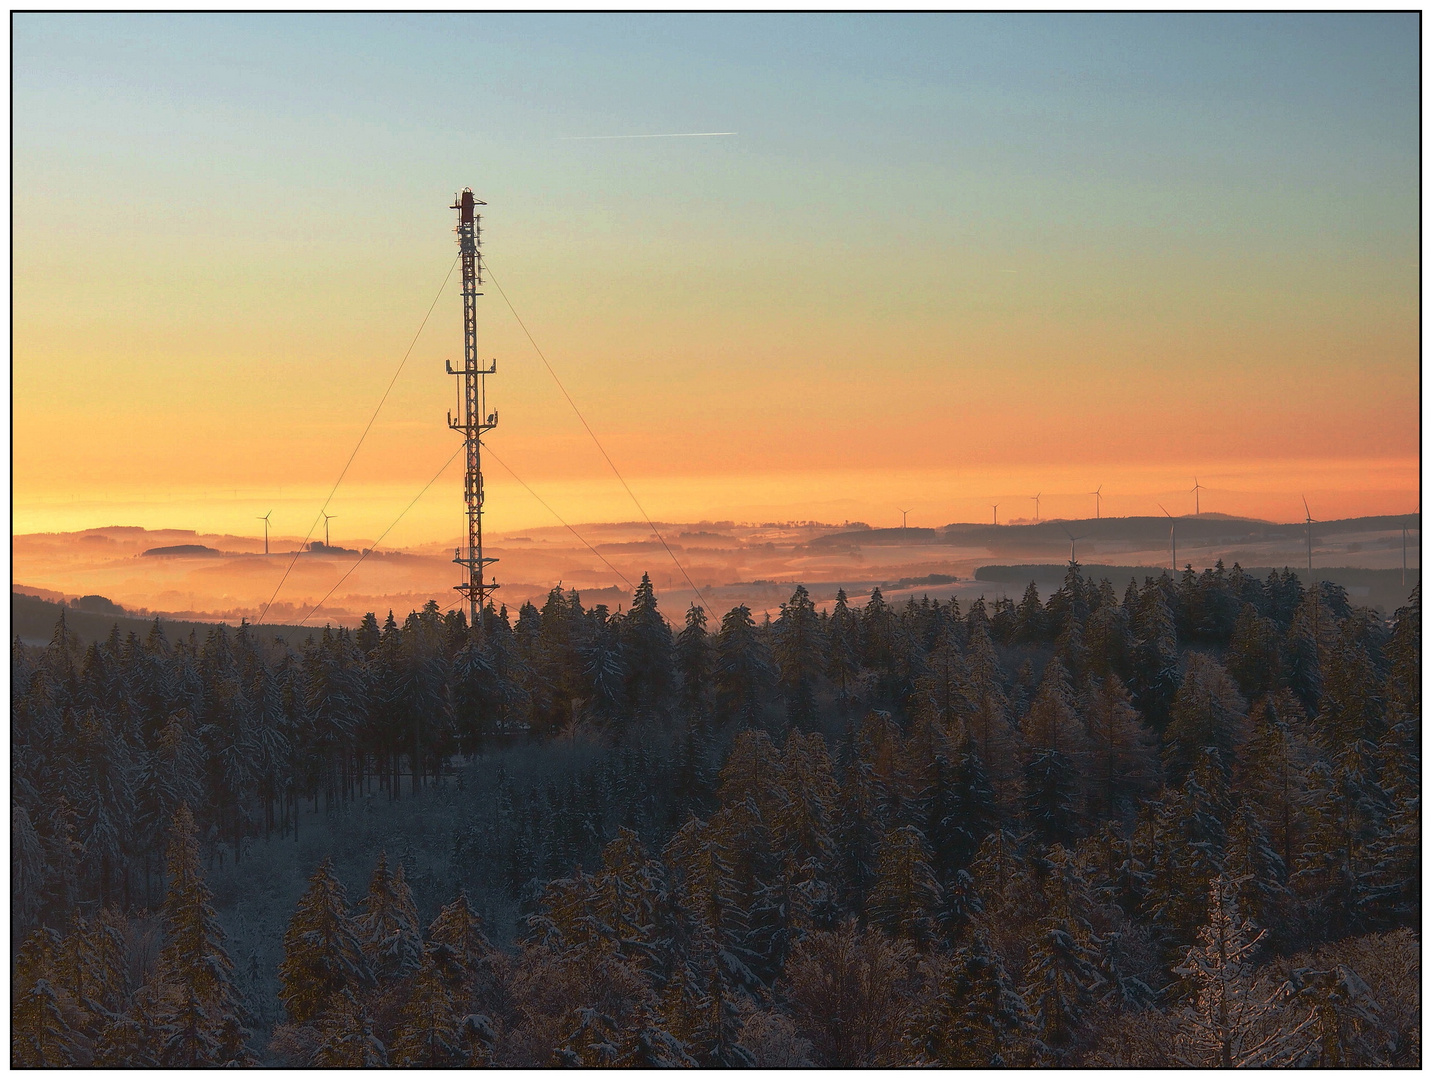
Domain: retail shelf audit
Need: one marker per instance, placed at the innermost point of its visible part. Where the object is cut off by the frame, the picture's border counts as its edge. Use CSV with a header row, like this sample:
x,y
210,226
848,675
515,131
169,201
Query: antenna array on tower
x,y
475,419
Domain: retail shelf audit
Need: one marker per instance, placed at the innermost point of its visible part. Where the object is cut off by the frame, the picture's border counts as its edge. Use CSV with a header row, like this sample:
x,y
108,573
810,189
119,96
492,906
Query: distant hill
x,y
1208,527
1370,588
191,551
1203,527
34,619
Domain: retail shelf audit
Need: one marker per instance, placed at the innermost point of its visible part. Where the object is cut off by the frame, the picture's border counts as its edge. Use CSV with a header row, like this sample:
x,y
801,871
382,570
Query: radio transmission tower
x,y
475,419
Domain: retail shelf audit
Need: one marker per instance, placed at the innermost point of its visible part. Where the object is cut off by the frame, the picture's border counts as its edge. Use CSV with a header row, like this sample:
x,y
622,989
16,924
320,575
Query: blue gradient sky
x,y
996,246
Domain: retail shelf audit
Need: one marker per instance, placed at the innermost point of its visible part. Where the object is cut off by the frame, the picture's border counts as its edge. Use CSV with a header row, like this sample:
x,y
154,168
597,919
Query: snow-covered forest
x,y
1177,825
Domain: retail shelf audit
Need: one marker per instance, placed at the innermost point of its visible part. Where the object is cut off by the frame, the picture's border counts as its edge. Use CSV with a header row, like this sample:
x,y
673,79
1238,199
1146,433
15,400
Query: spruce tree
x,y
346,1038
1208,712
842,656
196,998
646,651
1274,766
1122,760
976,1018
462,953
693,662
1063,972
1229,1023
40,1036
388,924
428,1035
798,650
1253,655
323,954
907,898
1155,657
743,667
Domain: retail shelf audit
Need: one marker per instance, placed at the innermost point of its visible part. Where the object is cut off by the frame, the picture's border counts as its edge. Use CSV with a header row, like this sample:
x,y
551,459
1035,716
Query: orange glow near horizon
x,y
832,315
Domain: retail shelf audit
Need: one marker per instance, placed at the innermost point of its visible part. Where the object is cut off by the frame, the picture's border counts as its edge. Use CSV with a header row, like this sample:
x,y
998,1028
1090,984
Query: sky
x,y
945,261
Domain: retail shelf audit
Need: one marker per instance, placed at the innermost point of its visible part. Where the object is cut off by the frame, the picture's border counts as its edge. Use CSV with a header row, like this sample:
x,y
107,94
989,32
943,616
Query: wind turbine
x,y
1172,541
327,517
1197,487
265,520
1071,540
996,513
903,516
1036,506
1097,498
1309,515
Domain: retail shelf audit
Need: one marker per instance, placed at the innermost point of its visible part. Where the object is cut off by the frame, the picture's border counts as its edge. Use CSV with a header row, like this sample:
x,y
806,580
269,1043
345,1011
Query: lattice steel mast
x,y
475,419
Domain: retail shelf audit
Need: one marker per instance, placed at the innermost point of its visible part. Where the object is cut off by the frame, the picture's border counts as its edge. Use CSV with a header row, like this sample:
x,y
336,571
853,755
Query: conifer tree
x,y
196,996
1208,712
1229,1023
693,661
323,954
1056,742
1155,657
93,967
461,953
1253,658
188,1031
477,699
701,1003
907,898
1274,764
646,650
388,924
804,816
1063,971
743,668
798,649
428,1035
976,1018
1029,628
1184,847
842,657
346,1038
1122,760
960,812
1262,876
942,693
1310,636
1108,638
40,1036
1334,872
1403,688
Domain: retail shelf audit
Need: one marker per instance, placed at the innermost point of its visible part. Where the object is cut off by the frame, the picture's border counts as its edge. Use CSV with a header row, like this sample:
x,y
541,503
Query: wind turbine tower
x,y
1097,498
327,517
1197,487
996,513
1036,507
265,520
475,418
1072,538
1309,515
904,517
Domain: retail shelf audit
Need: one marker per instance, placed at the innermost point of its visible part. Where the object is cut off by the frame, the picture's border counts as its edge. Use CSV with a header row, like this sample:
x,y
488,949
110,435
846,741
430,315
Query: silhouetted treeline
x,y
1044,832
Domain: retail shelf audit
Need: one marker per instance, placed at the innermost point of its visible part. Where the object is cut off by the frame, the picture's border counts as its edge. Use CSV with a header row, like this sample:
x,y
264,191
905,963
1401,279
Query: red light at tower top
x,y
475,419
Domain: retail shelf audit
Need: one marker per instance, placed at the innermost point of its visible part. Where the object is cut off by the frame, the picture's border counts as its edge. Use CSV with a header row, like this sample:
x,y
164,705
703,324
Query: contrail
x,y
675,135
